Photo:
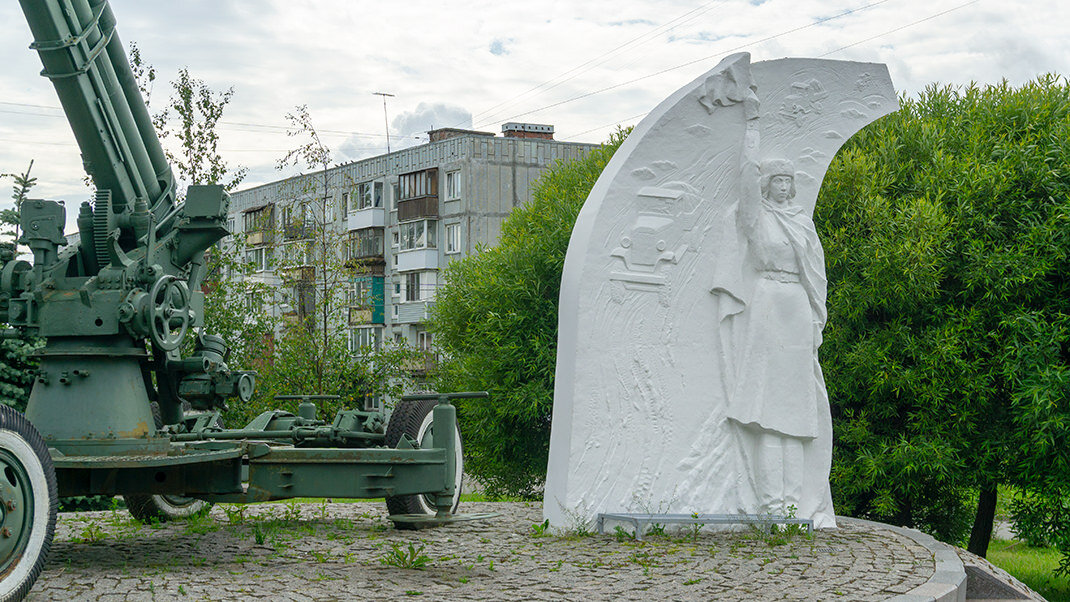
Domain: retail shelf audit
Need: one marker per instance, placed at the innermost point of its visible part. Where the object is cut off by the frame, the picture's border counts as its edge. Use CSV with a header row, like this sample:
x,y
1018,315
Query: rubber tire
x,y
162,508
415,419
148,509
20,439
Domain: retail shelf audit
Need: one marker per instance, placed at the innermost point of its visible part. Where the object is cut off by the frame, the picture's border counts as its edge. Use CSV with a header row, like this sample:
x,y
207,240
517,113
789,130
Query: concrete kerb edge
x,y
948,582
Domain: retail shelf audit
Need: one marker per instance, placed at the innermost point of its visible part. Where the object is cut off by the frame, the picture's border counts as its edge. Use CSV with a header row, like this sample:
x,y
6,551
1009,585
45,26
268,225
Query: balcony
x,y
297,230
299,273
259,238
417,208
417,259
374,217
364,248
366,301
422,363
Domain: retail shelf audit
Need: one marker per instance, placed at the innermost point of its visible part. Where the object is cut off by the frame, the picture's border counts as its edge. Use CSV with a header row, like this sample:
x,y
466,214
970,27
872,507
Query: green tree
x,y
20,192
144,72
496,322
17,364
313,260
192,117
312,355
946,229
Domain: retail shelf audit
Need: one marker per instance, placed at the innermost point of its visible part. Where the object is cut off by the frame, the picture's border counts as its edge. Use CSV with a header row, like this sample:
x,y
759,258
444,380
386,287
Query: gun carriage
x,y
115,408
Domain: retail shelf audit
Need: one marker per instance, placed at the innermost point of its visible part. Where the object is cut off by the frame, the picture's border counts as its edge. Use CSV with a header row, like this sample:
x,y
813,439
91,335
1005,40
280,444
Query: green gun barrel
x,y
84,58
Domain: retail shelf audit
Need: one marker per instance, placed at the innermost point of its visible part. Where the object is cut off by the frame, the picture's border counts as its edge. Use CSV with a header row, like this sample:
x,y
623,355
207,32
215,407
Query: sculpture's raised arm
x,y
750,194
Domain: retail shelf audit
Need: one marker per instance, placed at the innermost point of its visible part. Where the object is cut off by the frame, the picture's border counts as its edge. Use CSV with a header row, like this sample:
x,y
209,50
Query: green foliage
x,y
230,294
541,529
17,365
90,503
191,116
306,352
1042,519
412,558
144,73
17,369
496,321
946,229
19,192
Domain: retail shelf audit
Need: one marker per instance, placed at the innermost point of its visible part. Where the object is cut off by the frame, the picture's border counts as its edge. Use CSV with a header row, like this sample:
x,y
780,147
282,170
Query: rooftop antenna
x,y
386,122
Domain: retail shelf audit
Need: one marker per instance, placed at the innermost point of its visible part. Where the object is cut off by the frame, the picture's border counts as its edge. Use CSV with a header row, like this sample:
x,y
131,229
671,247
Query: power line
x,y
891,31
699,60
578,70
228,124
863,41
617,122
23,104
32,142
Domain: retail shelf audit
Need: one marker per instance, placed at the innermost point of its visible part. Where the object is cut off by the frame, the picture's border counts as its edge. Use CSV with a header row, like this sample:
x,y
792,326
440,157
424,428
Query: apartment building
x,y
399,219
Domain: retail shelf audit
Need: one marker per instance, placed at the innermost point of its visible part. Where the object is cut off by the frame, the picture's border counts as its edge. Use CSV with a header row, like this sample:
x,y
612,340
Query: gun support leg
x,y
445,427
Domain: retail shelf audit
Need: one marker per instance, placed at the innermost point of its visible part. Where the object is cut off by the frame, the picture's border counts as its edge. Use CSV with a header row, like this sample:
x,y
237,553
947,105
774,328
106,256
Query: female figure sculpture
x,y
776,392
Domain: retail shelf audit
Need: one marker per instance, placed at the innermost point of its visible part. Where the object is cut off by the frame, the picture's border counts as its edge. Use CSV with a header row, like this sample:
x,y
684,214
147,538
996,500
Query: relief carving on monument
x,y
693,300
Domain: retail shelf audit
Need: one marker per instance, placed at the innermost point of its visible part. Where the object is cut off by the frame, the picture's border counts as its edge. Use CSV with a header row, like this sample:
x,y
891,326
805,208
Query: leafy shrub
x,y
496,321
946,229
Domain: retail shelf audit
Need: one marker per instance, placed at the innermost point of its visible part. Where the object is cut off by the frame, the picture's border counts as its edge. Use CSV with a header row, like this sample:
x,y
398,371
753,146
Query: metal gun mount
x,y
115,408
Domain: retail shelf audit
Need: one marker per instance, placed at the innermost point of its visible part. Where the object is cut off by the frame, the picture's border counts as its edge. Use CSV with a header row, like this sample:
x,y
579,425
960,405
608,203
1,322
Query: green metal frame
x,y
250,465
115,307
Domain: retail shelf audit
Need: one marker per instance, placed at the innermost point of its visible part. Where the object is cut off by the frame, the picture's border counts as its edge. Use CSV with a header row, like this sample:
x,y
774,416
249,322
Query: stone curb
x,y
948,583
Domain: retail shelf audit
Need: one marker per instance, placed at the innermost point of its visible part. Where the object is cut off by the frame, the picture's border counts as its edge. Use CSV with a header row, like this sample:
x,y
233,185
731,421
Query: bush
x,y
496,322
946,229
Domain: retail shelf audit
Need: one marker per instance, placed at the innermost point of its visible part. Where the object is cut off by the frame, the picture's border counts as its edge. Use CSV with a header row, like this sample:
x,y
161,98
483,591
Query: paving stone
x,y
327,552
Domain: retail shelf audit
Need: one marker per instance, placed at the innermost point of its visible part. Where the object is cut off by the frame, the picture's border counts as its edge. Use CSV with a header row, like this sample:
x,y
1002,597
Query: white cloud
x,y
440,62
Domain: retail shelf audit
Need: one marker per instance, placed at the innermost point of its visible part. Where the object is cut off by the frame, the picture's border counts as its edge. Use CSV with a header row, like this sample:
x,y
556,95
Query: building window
x,y
363,339
418,235
412,286
296,254
296,221
365,243
367,195
395,191
397,289
396,313
396,240
418,184
259,258
453,238
423,340
420,286
259,220
453,185
363,293
370,195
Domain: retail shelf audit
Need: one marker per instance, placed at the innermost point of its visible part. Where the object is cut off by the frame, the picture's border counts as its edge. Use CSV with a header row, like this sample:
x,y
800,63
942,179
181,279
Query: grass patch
x,y
479,497
1031,566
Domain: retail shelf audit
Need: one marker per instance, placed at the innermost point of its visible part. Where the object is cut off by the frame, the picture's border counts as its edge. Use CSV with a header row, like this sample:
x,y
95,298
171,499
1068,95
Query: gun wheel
x,y
28,498
163,508
416,419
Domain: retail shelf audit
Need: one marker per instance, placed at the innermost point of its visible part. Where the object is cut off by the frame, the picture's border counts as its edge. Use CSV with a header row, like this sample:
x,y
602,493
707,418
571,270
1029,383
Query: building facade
x,y
395,220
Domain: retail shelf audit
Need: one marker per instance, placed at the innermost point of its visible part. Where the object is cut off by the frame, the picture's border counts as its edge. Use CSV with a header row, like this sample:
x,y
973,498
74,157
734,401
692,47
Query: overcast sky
x,y
582,66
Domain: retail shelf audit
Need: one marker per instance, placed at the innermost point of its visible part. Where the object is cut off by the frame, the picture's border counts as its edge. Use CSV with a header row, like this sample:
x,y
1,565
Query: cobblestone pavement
x,y
342,552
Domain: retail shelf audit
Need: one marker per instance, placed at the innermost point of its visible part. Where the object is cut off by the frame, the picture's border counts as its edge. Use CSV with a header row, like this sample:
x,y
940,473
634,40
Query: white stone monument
x,y
693,299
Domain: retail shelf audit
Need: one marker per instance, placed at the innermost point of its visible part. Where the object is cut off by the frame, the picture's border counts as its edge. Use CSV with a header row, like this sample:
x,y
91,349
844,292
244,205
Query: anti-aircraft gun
x,y
107,413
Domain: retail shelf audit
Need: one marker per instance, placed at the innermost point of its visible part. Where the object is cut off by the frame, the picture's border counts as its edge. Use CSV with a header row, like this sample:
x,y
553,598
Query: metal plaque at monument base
x,y
693,301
